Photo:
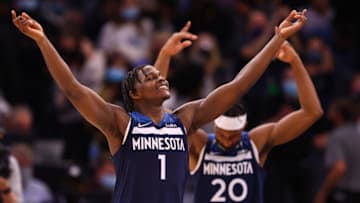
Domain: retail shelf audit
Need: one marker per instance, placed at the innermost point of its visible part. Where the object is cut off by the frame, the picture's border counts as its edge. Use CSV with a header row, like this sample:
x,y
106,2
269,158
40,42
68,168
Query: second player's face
x,y
152,85
227,138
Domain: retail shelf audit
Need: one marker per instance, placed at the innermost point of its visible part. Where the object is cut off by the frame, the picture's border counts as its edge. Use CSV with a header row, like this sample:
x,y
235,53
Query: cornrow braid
x,y
128,85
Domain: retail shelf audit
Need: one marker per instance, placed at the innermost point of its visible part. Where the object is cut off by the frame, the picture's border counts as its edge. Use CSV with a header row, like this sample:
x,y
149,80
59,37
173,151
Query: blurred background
x,y
102,39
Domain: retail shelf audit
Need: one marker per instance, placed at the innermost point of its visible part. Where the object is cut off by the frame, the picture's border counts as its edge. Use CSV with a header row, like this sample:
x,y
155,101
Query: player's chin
x,y
164,92
166,95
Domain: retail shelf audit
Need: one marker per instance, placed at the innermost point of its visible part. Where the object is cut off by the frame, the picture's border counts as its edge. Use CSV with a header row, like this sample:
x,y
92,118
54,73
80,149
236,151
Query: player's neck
x,y
155,113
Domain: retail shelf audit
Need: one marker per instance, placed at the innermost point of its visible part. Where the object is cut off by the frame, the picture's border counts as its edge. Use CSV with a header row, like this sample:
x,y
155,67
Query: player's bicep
x,y
290,127
217,102
94,109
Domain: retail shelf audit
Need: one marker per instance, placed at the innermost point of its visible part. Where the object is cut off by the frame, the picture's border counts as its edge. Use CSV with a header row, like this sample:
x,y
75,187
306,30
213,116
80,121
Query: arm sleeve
x,y
15,179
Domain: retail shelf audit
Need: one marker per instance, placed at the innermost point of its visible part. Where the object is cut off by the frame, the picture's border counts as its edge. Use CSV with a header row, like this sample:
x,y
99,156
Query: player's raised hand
x,y
179,41
28,26
286,53
291,24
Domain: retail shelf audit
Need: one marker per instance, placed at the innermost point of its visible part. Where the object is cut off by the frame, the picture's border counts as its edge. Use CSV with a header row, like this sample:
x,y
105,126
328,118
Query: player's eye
x,y
152,77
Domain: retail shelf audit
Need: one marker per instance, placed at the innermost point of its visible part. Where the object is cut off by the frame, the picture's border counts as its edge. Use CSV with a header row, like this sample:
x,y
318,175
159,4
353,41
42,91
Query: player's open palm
x,y
291,24
28,26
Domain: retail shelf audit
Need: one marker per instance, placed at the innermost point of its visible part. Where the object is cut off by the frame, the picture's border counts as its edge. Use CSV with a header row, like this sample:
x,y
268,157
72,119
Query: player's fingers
x,y
13,14
291,16
186,43
186,27
186,35
304,12
16,19
25,15
276,29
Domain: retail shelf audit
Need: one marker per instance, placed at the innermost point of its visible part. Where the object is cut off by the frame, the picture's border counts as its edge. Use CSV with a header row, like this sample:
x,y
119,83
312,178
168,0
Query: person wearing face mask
x,y
106,175
100,186
227,165
128,33
289,85
130,13
34,189
10,177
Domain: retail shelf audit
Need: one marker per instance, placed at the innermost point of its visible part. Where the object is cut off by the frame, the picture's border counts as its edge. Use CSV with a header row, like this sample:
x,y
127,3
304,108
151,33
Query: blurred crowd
x,y
65,159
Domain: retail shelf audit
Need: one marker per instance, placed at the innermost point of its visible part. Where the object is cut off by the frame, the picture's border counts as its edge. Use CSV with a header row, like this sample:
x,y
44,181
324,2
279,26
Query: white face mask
x,y
108,181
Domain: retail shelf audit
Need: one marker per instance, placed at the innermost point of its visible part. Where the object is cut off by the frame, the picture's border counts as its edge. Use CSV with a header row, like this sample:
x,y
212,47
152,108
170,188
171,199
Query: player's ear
x,y
134,95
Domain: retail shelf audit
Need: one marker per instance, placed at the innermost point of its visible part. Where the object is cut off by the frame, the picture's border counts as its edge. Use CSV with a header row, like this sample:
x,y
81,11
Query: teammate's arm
x,y
176,43
223,97
98,112
294,124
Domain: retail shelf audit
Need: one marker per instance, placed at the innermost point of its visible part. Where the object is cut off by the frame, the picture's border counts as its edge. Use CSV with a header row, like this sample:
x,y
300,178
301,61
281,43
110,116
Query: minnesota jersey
x,y
152,164
232,175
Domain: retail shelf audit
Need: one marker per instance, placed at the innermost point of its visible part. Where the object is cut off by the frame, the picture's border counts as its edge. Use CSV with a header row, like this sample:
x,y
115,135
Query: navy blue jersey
x,y
152,164
232,175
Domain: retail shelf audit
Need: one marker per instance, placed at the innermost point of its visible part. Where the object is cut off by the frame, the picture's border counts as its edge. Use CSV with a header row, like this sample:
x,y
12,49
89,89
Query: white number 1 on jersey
x,y
162,158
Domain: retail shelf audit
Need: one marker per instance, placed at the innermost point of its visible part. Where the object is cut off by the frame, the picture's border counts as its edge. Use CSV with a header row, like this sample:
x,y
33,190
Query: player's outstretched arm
x,y
175,44
222,98
86,101
310,110
294,124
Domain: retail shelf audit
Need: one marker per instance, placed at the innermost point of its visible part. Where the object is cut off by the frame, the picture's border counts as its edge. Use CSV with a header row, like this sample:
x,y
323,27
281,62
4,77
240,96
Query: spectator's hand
x,y
291,24
179,41
4,184
28,26
286,53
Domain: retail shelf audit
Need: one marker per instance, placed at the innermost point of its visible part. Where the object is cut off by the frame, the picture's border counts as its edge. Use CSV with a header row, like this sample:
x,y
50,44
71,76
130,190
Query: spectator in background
x,y
103,182
342,156
128,33
20,125
319,60
321,16
34,189
10,176
92,71
114,75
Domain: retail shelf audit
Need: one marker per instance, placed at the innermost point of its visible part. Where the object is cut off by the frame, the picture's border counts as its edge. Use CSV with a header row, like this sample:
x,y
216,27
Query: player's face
x,y
152,85
227,138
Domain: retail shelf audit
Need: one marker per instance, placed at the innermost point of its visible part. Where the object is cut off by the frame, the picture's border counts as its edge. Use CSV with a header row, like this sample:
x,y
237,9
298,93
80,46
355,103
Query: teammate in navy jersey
x,y
147,142
227,166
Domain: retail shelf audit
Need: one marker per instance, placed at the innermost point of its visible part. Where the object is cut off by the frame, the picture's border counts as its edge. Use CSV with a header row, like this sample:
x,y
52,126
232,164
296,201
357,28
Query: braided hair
x,y
128,85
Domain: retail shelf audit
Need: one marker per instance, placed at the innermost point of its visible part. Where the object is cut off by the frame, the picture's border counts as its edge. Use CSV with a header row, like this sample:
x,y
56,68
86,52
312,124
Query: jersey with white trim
x,y
152,164
232,175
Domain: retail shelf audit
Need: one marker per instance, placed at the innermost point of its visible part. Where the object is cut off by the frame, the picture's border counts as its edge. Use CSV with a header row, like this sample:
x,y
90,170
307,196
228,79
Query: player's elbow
x,y
318,113
315,113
